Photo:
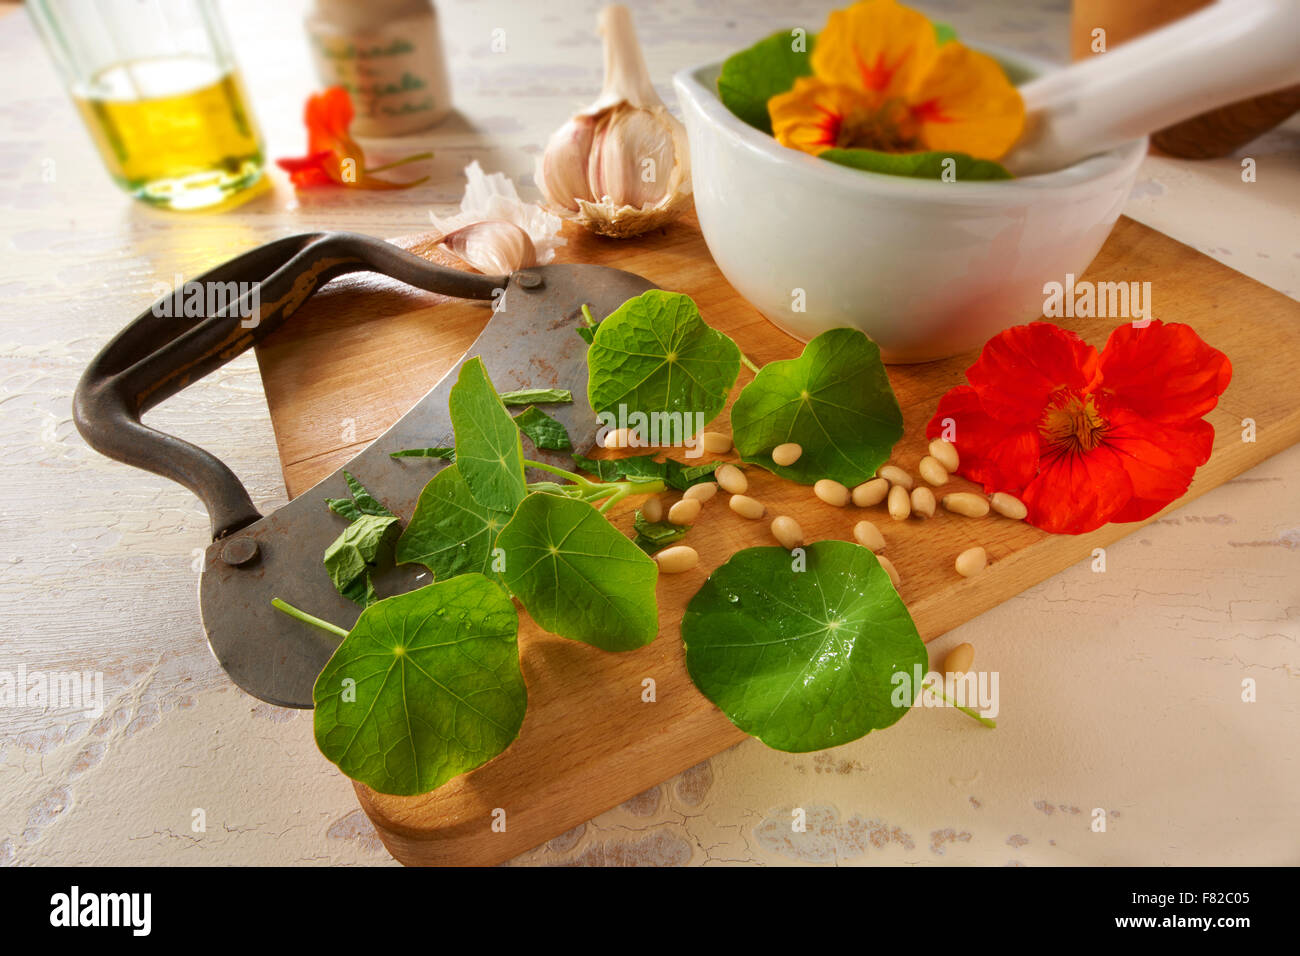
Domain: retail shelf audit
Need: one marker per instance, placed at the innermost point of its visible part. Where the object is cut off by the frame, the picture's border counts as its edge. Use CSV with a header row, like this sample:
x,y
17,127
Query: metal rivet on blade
x,y
529,280
239,551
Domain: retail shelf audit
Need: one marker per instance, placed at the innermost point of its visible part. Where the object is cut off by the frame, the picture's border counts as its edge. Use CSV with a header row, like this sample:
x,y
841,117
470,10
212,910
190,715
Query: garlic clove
x,y
492,246
632,157
562,171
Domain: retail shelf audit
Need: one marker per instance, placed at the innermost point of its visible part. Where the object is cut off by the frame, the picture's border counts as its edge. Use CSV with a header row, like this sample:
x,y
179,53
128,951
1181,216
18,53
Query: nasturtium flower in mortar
x,y
882,81
1081,438
333,156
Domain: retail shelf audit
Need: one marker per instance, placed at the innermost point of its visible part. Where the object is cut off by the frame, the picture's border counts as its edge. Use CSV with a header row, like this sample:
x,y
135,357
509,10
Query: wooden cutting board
x,y
362,352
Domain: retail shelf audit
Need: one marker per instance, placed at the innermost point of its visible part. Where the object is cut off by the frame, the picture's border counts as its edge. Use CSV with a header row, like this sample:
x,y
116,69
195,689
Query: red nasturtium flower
x,y
1083,438
333,156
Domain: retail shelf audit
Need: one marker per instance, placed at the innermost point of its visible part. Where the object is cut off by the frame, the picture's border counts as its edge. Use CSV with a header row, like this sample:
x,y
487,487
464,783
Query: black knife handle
x,y
159,354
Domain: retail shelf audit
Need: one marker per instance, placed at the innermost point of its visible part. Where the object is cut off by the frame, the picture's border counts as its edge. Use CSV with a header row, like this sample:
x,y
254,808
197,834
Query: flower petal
x,y
966,104
999,456
875,45
1160,458
1164,372
808,117
1076,493
1019,370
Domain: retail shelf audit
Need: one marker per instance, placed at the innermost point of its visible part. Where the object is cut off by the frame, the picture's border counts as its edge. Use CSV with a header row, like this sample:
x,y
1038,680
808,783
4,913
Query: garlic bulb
x,y
495,231
621,166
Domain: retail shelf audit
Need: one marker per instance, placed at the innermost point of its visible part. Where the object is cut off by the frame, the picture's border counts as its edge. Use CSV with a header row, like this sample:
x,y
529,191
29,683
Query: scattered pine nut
x,y
932,470
972,561
890,570
922,502
618,438
959,659
701,492
1008,505
946,453
787,531
731,479
900,503
653,509
685,511
869,536
966,503
677,559
746,506
870,492
896,476
786,454
831,492
716,443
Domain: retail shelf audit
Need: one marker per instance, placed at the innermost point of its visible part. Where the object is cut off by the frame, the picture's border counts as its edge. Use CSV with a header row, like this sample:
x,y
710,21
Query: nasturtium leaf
x,y
834,400
445,452
633,468
577,576
943,33
802,655
450,532
361,503
752,77
364,544
543,430
535,396
928,165
655,356
425,687
489,452
652,536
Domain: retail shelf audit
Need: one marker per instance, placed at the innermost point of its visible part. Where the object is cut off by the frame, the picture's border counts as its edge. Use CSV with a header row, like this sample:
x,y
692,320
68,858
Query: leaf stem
x,y
936,688
587,316
399,162
306,618
744,360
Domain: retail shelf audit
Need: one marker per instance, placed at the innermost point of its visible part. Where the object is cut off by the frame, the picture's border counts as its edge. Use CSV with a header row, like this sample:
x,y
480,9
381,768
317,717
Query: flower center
x,y
889,127
1072,424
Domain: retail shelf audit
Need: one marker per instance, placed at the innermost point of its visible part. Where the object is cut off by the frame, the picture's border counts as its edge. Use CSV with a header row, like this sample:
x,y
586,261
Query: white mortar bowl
x,y
927,269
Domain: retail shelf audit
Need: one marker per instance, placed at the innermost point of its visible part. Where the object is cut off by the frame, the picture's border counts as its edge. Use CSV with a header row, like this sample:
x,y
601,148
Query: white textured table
x,y
1119,691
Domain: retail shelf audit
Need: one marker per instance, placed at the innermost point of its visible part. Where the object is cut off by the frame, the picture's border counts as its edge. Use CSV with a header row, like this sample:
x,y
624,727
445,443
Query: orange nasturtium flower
x,y
333,156
881,81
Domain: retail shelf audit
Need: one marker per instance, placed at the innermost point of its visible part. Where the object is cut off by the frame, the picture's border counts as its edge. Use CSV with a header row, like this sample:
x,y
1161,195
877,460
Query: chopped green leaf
x,y
652,536
681,477
577,576
361,503
930,165
644,468
539,396
753,76
803,657
655,356
587,333
834,400
425,687
446,453
364,545
543,430
450,532
489,452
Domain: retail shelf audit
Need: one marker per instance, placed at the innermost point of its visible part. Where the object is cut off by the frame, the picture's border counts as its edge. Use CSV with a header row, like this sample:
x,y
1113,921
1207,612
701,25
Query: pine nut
x,y
923,502
831,492
890,570
869,536
896,476
619,438
1008,505
677,559
731,479
701,492
746,506
900,503
716,443
786,454
653,509
966,503
787,531
685,511
959,659
870,492
971,561
946,453
932,470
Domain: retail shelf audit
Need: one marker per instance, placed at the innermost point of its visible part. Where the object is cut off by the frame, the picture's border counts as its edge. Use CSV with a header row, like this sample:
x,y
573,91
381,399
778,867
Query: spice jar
x,y
388,55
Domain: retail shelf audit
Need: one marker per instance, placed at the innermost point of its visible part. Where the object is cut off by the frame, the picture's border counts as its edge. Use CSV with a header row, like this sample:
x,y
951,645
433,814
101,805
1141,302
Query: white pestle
x,y
1229,51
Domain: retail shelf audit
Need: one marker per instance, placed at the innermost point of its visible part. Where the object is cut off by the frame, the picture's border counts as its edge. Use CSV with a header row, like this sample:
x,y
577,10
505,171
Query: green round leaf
x,y
928,165
834,400
656,356
803,659
578,576
450,533
425,687
489,452
753,76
